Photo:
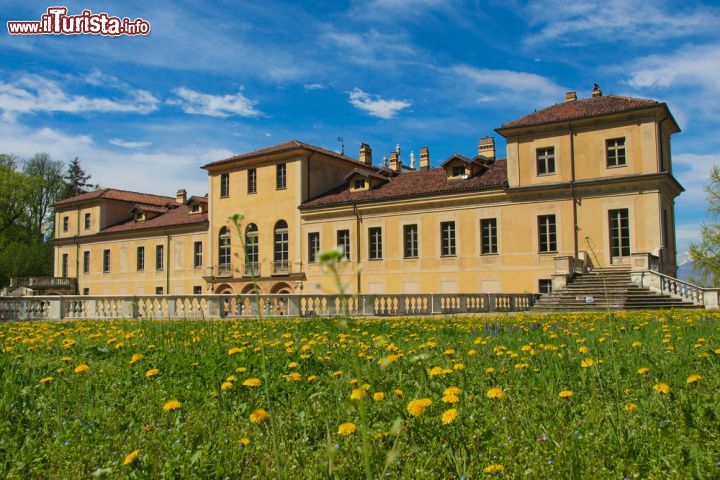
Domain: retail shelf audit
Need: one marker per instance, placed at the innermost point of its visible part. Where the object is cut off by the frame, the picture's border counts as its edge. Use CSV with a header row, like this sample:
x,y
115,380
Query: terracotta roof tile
x,y
286,147
412,184
576,109
121,195
174,217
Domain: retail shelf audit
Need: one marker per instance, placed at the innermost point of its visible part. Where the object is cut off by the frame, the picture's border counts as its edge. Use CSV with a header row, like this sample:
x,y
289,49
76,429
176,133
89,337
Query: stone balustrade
x,y
238,306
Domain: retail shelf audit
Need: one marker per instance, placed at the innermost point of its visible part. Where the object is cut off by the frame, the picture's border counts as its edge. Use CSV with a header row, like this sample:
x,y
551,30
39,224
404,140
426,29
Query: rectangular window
x,y
197,290
447,239
615,149
224,185
140,259
86,261
86,291
106,261
197,255
359,184
547,235
281,176
66,224
545,160
458,171
619,233
545,285
375,243
87,221
343,243
410,241
159,257
158,290
64,265
488,236
252,180
313,246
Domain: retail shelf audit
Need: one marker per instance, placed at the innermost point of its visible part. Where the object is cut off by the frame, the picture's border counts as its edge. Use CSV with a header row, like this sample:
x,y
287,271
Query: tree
x,y
16,193
706,254
49,174
76,180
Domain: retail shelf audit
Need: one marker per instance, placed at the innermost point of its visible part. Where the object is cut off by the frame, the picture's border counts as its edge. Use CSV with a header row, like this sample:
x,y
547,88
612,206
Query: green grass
x,y
80,424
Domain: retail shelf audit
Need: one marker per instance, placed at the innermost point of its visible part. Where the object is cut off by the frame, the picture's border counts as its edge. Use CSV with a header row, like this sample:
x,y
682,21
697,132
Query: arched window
x,y
281,247
224,253
252,267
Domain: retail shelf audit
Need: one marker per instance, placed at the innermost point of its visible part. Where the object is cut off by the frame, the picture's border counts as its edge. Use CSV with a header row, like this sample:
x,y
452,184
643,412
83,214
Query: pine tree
x,y
76,180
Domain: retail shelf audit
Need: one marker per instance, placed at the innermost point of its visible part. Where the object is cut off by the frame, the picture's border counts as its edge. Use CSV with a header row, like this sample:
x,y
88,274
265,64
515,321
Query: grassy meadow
x,y
511,396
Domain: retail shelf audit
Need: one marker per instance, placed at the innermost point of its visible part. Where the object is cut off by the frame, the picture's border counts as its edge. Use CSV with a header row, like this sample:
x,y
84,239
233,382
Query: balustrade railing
x,y
661,283
237,306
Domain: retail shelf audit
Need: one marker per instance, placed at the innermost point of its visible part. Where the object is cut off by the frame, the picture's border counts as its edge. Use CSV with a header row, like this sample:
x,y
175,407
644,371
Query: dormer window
x,y
140,217
195,208
458,171
359,184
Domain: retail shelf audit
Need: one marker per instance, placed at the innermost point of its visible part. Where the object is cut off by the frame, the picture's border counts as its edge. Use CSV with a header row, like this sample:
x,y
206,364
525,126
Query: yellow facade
x,y
498,237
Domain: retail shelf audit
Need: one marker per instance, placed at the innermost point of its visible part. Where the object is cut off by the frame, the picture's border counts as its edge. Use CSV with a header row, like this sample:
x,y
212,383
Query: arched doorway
x,y
224,289
281,287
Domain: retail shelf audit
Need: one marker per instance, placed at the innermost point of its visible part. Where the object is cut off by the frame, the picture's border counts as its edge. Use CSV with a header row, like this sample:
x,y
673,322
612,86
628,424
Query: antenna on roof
x,y
342,145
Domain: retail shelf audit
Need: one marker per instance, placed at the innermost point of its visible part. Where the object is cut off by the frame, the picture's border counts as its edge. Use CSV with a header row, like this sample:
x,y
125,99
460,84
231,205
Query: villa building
x,y
589,179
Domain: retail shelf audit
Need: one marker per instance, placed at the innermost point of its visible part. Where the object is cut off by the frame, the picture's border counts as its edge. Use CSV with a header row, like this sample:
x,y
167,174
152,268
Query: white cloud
x,y
685,234
693,172
370,48
689,65
221,106
128,144
313,86
506,86
376,106
153,172
574,22
33,94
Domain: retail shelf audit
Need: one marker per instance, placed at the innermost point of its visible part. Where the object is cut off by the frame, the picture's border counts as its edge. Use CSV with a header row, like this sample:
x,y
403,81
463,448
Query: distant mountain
x,y
685,269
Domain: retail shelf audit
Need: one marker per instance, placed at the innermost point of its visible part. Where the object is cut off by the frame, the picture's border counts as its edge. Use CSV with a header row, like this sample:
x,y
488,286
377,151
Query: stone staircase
x,y
587,292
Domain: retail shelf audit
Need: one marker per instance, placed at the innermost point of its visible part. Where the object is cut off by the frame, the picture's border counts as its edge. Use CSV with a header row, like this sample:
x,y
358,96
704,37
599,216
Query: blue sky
x,y
214,79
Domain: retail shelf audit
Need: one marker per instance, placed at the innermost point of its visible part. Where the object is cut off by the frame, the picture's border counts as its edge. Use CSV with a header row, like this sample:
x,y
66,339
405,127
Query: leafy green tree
x,y
706,254
76,180
16,193
49,174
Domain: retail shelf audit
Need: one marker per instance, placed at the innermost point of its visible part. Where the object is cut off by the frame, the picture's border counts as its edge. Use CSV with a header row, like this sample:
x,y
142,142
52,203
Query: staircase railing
x,y
661,283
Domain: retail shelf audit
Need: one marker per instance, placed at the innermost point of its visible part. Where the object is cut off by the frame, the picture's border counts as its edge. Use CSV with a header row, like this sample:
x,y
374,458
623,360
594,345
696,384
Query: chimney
x,y
570,96
395,164
181,196
486,148
596,92
365,154
424,158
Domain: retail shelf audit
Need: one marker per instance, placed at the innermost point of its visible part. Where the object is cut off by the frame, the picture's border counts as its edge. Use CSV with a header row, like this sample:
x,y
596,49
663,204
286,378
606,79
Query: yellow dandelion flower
x,y
495,393
630,407
234,350
131,457
449,416
662,388
347,428
565,394
520,366
311,378
357,394
153,372
643,371
231,378
136,357
452,391
244,442
693,378
60,370
81,368
459,366
292,365
418,406
259,416
378,396
435,371
472,352
240,370
636,344
493,469
450,398
583,349
171,405
226,386
252,382
293,377
489,370
398,393
337,373
67,359
46,379
587,363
